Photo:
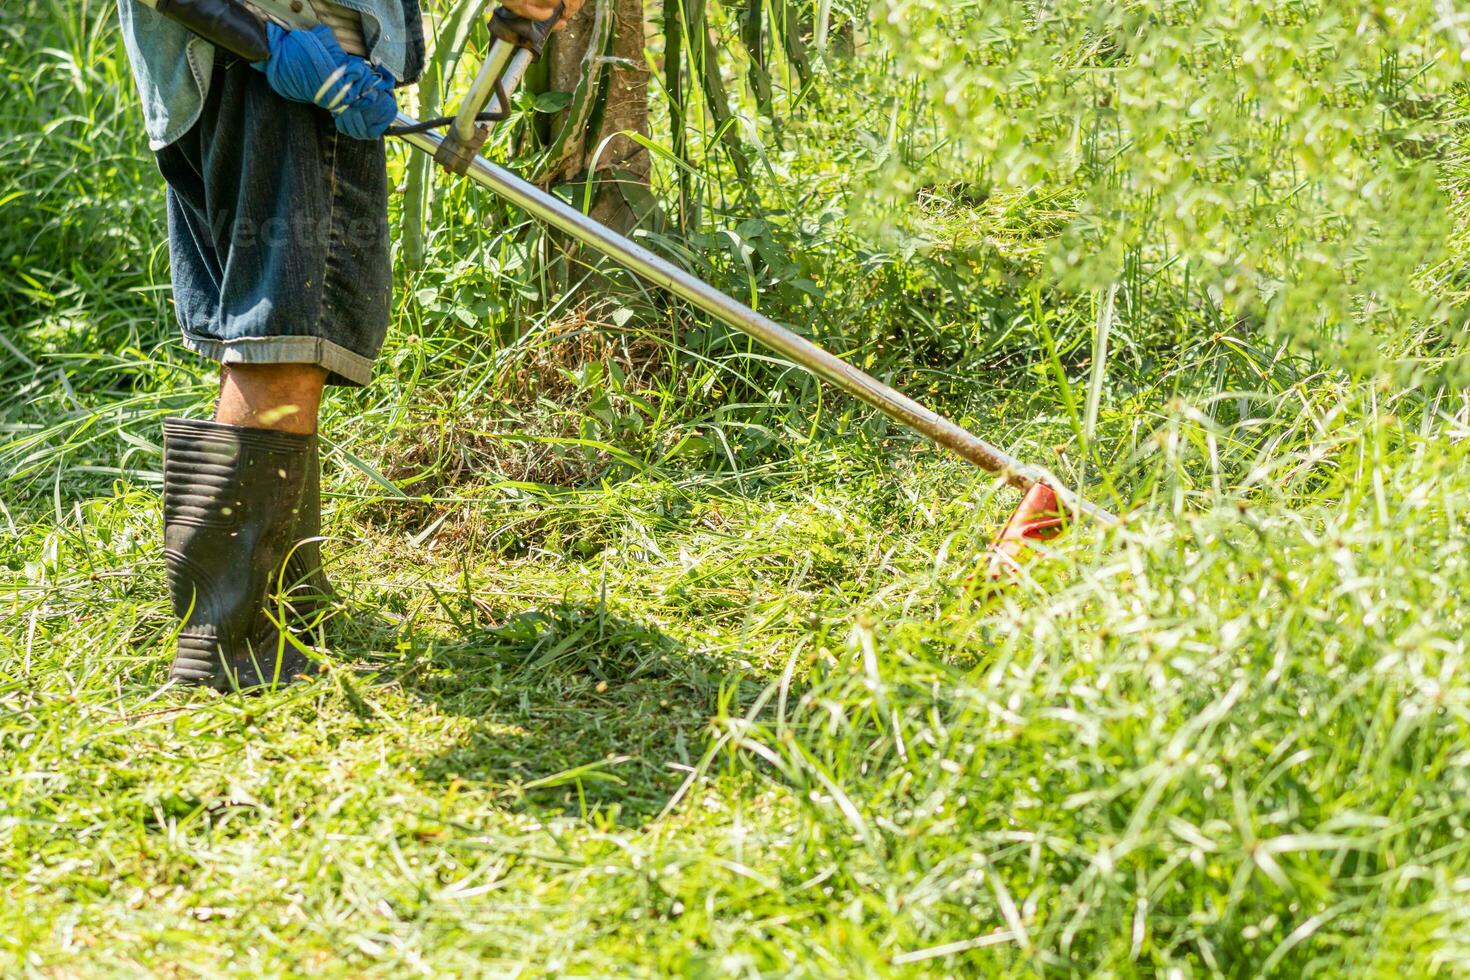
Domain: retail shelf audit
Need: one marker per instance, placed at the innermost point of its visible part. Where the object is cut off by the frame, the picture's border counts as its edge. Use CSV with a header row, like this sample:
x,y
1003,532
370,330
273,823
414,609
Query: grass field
x,y
660,660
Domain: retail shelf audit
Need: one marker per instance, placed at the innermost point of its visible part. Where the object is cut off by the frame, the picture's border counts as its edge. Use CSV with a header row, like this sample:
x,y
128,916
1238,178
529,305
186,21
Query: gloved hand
x,y
310,66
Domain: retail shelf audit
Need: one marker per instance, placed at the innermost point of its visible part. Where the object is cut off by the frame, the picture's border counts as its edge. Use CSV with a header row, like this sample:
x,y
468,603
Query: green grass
x,y
660,660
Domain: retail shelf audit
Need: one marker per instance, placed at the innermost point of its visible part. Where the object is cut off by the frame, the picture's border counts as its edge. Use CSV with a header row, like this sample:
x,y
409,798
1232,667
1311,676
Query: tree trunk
x,y
602,52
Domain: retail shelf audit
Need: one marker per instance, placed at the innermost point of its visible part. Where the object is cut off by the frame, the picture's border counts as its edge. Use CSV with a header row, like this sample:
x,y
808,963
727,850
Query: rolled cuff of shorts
x,y
342,365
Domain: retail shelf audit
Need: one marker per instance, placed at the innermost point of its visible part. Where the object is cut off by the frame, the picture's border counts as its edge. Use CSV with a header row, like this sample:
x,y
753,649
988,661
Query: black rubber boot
x,y
309,590
231,500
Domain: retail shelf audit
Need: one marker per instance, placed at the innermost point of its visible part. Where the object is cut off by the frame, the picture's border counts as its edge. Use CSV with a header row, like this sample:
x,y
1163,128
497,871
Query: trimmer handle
x,y
522,31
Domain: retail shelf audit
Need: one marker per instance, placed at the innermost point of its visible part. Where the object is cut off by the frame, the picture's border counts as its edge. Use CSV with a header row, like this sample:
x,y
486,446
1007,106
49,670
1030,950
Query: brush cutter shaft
x,y
824,365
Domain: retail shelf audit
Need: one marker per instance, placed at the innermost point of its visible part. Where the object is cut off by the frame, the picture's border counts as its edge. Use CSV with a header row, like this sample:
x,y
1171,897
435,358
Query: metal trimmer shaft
x,y
824,365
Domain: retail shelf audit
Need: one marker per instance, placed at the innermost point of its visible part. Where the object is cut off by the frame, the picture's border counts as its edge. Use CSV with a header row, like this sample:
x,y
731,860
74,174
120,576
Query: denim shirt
x,y
172,66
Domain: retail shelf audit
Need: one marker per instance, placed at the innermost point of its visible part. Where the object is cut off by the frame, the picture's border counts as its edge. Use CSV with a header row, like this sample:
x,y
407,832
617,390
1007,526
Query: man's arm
x,y
309,65
223,23
303,66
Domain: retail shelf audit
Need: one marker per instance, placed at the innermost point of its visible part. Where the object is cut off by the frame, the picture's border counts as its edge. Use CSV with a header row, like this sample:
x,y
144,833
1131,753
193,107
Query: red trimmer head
x,y
1039,517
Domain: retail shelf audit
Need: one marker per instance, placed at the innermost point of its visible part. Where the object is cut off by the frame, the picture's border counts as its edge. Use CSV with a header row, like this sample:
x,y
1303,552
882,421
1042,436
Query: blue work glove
x,y
310,66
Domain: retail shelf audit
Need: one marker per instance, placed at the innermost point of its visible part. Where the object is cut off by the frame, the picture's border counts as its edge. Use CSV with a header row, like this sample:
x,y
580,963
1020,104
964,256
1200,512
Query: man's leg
x,y
286,398
240,498
295,292
283,397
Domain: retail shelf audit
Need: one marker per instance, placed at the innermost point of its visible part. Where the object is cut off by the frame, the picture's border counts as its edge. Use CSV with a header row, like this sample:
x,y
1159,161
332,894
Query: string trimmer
x,y
518,42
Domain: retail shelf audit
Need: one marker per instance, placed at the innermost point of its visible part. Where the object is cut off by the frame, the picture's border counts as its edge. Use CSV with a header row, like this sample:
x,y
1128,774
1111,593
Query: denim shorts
x,y
278,232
